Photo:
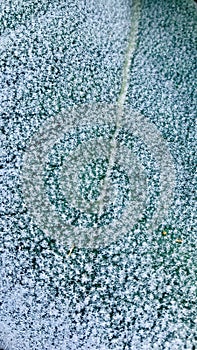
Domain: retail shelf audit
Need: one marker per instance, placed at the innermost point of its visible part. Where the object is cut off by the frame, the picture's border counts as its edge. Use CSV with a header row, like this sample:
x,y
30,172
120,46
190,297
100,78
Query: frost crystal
x,y
97,189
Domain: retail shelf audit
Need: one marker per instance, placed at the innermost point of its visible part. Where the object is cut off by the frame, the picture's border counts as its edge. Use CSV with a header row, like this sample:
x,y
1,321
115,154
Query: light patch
x,y
80,221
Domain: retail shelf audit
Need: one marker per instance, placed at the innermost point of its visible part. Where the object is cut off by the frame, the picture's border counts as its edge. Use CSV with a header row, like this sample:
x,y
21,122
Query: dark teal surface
x,y
137,293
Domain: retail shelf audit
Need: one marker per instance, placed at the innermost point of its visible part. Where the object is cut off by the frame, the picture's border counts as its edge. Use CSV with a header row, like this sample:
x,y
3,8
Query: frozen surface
x,y
140,291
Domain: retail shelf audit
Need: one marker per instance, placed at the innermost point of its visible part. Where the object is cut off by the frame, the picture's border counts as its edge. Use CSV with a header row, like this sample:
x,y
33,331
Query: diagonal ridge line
x,y
135,11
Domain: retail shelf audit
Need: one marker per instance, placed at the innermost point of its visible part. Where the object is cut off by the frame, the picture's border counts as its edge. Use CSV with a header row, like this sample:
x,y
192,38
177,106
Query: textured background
x,y
138,293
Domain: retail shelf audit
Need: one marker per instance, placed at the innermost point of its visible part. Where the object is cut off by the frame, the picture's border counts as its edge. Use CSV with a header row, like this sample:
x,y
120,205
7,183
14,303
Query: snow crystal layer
x,y
136,291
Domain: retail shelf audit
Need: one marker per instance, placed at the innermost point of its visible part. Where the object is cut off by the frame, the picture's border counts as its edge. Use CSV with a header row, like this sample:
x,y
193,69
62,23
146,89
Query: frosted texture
x,y
80,271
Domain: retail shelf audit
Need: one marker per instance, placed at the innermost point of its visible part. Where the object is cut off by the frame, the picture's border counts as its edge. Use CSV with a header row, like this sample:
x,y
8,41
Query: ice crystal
x,y
97,162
